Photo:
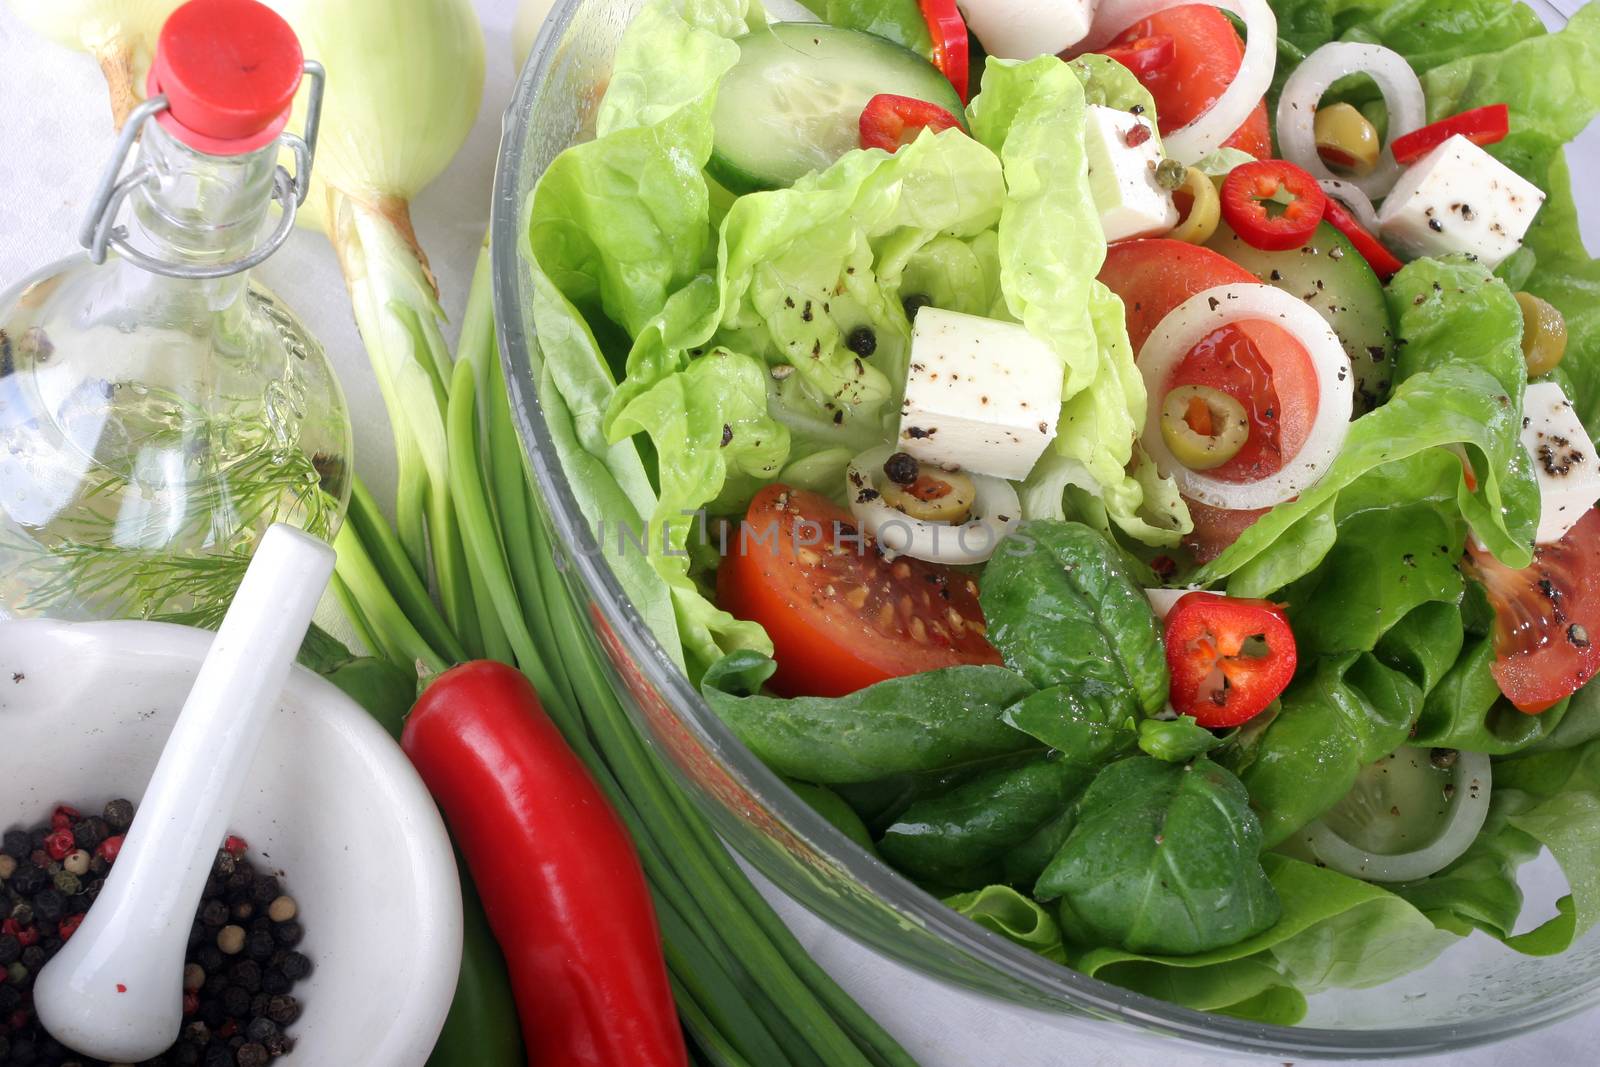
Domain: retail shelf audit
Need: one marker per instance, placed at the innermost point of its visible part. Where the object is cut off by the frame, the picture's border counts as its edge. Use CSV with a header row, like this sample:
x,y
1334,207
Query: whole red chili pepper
x,y
561,884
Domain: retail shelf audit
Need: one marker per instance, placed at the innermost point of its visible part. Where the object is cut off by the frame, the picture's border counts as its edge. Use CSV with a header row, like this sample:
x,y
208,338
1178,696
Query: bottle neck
x,y
201,209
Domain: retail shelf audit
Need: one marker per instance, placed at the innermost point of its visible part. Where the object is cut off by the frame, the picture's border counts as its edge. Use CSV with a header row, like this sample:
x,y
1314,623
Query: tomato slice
x,y
1258,364
1252,203
1207,53
1146,55
950,46
1481,125
890,121
1229,658
1546,616
841,617
1380,259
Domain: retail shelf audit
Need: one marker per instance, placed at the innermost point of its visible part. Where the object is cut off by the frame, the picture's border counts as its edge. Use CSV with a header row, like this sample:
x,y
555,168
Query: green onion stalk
x,y
747,991
404,85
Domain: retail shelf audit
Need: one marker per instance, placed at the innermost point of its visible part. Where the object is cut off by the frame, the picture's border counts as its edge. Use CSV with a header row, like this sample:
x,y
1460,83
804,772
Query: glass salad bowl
x,y
1476,992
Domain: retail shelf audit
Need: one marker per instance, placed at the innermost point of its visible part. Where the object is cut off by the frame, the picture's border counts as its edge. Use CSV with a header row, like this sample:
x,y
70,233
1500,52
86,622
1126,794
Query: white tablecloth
x,y
54,139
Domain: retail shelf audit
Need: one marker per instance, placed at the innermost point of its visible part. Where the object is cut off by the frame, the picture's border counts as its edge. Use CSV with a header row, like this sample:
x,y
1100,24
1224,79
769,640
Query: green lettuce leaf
x,y
1459,380
1343,714
1333,931
1012,915
899,21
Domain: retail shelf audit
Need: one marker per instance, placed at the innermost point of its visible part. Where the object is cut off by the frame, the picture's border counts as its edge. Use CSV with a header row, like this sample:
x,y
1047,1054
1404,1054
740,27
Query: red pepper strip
x,y
889,121
1145,55
1380,259
560,882
1215,677
1481,125
1250,185
949,32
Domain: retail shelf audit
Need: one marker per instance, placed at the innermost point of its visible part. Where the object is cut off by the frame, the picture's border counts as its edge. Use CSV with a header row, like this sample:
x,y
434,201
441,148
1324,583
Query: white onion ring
x,y
1297,107
1469,809
1229,111
1186,326
995,507
1354,201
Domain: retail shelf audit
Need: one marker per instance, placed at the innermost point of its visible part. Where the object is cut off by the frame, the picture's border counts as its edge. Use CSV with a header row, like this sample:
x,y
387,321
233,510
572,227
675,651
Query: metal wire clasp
x,y
100,231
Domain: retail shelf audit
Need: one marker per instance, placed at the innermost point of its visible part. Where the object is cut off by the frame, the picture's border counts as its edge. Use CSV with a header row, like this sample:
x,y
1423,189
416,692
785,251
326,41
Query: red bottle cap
x,y
229,70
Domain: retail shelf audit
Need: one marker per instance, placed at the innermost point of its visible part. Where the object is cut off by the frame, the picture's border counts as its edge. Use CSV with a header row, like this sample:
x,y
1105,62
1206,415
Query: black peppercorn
x,y
187,1055
24,1053
862,341
49,905
242,910
258,1005
119,816
296,965
88,833
16,844
252,1054
288,934
915,303
33,957
10,998
265,890
246,974
212,1013
901,468
261,946
10,950
278,1044
211,958
236,1001
23,913
214,913
260,1029
223,865
218,1056
283,1010
241,879
29,880
274,982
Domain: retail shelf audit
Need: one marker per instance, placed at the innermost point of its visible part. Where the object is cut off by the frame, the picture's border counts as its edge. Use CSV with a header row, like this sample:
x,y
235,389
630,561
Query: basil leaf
x,y
1062,608
1176,740
956,839
1087,724
933,721
1164,858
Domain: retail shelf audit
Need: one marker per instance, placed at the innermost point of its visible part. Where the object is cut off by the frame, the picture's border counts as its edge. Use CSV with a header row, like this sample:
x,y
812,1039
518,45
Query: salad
x,y
1129,465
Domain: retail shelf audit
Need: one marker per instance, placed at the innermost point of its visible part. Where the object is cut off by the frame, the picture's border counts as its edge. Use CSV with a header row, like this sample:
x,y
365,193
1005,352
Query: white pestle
x,y
115,990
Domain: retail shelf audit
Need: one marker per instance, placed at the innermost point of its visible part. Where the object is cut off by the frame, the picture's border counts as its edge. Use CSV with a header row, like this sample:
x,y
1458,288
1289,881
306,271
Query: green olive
x,y
1346,139
1205,209
1203,427
1544,335
936,496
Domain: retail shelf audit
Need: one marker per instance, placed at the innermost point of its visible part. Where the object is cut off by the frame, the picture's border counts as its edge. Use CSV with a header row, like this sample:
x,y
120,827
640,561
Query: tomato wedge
x,y
1207,53
1382,261
1481,125
950,49
841,617
1146,55
1546,617
1251,187
890,121
1229,658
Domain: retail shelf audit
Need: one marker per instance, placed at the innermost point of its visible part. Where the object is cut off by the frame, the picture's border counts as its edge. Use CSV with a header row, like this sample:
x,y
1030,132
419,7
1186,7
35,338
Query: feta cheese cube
x,y
1023,29
1564,463
981,395
1459,198
1122,174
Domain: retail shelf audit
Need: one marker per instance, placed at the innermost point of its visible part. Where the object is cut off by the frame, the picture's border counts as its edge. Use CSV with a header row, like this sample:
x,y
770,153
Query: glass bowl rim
x,y
1053,982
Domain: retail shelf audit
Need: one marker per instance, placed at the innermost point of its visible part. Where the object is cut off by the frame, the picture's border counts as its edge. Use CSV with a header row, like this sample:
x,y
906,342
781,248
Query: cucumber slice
x,y
792,104
1330,275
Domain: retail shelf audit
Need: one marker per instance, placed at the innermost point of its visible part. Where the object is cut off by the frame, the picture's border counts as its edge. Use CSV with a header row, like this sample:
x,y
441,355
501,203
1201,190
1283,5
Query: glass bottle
x,y
158,409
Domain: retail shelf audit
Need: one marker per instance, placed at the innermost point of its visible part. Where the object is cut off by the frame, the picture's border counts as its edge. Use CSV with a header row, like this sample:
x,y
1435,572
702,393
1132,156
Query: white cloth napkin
x,y
54,139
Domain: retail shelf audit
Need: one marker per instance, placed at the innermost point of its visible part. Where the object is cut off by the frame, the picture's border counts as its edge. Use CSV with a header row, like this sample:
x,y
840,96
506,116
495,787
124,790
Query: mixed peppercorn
x,y
243,960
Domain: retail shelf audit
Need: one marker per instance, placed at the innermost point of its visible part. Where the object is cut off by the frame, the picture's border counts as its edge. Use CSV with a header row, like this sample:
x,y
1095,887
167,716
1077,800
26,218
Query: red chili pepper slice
x,y
1229,658
889,121
1481,125
561,884
1251,186
1146,55
949,32
1380,259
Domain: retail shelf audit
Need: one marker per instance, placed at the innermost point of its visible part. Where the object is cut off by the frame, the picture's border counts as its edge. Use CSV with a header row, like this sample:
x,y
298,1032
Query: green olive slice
x,y
935,496
1203,427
